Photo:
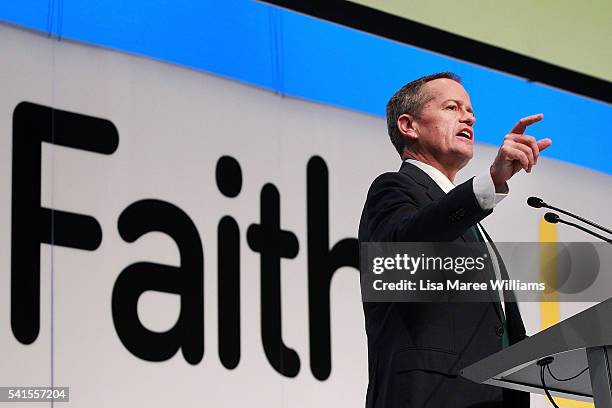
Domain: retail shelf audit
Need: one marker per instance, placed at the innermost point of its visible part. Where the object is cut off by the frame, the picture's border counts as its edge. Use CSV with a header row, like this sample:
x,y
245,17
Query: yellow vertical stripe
x,y
549,302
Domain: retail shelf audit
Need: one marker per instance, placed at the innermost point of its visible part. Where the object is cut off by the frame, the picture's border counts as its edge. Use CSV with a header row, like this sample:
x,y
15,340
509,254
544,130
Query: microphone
x,y
554,218
537,202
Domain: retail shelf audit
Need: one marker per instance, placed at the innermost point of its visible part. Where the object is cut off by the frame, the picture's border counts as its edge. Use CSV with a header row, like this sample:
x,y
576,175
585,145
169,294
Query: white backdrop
x,y
174,124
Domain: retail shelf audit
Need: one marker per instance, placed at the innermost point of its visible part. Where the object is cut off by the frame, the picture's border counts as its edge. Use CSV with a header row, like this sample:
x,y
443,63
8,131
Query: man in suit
x,y
416,350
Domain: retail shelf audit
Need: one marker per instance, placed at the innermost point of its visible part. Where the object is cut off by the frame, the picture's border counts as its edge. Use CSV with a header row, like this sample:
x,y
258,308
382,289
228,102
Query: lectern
x,y
584,340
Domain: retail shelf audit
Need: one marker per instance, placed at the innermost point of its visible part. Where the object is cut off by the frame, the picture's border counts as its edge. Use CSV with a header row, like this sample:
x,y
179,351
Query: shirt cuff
x,y
484,190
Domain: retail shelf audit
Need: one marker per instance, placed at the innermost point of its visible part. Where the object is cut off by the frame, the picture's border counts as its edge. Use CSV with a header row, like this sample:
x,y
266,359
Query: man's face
x,y
444,127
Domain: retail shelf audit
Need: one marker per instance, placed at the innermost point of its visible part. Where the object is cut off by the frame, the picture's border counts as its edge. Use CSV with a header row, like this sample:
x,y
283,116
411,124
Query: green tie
x,y
505,339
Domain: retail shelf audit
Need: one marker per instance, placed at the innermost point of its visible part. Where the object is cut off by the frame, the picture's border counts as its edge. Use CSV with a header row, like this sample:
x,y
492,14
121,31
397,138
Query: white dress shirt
x,y
487,198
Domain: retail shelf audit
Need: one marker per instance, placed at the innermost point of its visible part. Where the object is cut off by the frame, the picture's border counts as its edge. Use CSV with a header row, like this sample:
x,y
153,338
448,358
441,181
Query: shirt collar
x,y
437,176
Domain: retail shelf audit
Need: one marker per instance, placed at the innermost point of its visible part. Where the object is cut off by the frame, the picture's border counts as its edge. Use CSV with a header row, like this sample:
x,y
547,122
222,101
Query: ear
x,y
405,124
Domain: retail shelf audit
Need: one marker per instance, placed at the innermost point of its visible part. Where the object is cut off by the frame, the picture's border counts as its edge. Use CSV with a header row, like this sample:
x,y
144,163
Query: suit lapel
x,y
503,274
420,177
508,294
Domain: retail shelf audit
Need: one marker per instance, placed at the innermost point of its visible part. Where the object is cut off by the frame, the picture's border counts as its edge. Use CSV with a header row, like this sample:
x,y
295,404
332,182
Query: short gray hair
x,y
410,99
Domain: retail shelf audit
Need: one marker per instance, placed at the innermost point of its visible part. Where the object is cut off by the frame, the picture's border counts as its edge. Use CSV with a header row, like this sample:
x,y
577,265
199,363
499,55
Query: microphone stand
x,y
591,223
554,218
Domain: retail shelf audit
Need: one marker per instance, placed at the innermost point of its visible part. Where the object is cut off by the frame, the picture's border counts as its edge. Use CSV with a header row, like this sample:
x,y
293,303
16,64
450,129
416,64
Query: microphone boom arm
x,y
608,240
591,223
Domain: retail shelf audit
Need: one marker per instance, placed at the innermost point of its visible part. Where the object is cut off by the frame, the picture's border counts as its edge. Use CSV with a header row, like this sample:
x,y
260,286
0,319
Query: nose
x,y
468,118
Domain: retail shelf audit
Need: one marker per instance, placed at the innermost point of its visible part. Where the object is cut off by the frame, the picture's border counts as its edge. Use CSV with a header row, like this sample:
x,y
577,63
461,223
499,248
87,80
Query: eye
x,y
451,107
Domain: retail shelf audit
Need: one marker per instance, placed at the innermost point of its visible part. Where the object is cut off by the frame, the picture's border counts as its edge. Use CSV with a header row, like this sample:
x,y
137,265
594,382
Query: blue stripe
x,y
312,59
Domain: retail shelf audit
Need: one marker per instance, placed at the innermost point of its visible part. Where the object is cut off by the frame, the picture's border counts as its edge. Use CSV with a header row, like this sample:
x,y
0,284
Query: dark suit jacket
x,y
416,350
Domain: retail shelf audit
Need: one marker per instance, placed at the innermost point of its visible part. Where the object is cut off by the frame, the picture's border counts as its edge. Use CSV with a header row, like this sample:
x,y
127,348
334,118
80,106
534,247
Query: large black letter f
x,y
33,224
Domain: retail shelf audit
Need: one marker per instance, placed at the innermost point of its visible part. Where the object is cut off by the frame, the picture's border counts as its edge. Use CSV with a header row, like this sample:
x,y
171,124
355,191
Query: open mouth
x,y
466,134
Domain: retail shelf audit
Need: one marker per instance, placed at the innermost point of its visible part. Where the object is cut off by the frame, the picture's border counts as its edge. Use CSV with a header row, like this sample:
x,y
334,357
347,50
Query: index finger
x,y
524,122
